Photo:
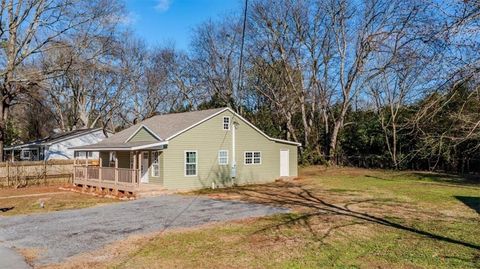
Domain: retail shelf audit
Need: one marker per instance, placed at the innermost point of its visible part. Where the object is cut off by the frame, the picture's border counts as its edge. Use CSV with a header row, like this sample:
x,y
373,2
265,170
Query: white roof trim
x,y
285,141
264,134
102,149
244,120
138,130
54,141
71,137
126,148
21,146
150,145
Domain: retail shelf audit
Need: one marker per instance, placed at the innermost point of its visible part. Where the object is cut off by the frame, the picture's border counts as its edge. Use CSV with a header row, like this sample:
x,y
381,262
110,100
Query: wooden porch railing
x,y
112,175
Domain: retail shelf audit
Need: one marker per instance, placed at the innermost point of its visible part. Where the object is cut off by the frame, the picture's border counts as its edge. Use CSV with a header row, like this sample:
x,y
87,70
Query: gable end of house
x,y
235,115
143,134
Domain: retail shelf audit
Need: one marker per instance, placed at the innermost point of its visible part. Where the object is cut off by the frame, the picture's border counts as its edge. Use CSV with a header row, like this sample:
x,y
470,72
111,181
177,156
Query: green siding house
x,y
185,151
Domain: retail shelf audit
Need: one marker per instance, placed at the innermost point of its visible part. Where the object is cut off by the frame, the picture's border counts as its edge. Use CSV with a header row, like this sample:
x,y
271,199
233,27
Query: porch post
x,y
116,168
134,173
139,167
86,165
99,167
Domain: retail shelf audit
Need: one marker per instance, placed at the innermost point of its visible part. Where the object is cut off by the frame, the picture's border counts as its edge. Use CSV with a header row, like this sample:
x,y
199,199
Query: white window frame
x,y
185,163
245,157
155,165
83,154
260,157
253,157
223,123
220,157
23,156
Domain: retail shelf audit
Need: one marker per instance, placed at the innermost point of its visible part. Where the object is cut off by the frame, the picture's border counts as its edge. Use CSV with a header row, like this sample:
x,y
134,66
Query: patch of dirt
x,y
102,257
4,192
29,254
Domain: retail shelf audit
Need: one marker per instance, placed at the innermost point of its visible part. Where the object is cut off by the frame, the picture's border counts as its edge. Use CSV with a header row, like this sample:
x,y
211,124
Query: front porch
x,y
125,171
108,178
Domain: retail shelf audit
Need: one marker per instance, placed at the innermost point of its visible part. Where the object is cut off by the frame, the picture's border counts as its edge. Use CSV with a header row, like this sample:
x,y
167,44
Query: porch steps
x,y
144,191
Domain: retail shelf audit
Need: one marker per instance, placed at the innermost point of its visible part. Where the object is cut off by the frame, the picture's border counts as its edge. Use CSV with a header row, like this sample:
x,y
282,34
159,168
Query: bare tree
x,y
284,43
28,29
154,81
215,52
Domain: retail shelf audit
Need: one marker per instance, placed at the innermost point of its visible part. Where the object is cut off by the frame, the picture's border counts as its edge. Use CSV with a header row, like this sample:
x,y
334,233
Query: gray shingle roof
x,y
164,126
53,138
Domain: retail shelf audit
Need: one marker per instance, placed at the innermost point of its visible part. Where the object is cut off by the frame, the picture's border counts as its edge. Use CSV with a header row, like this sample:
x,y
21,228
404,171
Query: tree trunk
x,y
4,106
291,129
332,147
2,127
306,128
394,145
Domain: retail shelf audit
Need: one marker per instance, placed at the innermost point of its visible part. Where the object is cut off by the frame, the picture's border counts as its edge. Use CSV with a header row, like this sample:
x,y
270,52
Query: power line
x,y
240,73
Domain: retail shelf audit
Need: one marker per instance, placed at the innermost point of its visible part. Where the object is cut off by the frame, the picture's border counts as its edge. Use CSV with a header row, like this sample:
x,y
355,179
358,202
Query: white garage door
x,y
284,163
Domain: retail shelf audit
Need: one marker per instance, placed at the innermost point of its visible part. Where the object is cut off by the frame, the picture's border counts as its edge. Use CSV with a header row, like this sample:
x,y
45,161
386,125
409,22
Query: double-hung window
x,y
82,154
253,157
223,157
155,164
226,123
191,162
26,154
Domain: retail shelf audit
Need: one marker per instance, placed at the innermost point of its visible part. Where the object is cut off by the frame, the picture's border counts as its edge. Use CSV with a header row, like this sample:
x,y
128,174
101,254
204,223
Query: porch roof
x,y
129,146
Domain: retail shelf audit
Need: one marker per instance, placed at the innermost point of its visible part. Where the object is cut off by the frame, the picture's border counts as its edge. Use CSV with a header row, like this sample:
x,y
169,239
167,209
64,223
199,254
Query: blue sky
x,y
161,21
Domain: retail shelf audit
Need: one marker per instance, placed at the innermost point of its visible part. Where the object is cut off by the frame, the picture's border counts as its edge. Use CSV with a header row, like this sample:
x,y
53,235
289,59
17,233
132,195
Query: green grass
x,y
353,218
417,187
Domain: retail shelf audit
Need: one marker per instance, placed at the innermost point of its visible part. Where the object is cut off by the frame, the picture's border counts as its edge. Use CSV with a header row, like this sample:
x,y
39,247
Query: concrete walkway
x,y
10,259
63,234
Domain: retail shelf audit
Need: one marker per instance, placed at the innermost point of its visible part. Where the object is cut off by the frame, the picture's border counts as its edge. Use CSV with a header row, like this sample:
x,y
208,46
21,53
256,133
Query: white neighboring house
x,y
56,146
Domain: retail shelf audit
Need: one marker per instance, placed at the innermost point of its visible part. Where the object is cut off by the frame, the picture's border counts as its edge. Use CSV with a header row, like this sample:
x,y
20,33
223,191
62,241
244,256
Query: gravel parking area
x,y
67,233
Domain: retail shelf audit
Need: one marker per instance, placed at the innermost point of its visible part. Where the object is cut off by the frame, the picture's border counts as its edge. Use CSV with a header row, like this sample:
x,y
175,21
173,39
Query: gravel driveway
x,y
67,233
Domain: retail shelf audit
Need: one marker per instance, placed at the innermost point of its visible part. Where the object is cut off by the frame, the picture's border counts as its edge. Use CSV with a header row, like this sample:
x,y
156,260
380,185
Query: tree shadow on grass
x,y
448,178
467,181
470,201
293,195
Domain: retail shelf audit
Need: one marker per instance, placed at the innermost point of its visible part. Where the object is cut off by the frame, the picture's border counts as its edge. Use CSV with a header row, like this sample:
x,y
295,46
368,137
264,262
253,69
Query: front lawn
x,y
341,218
28,200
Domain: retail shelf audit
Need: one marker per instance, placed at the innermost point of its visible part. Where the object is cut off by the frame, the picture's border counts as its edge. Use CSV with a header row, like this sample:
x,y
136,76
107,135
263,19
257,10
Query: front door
x,y
144,167
284,163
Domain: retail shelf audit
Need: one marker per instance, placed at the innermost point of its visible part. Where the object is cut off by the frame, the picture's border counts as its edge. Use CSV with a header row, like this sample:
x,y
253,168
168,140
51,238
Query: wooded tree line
x,y
377,83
